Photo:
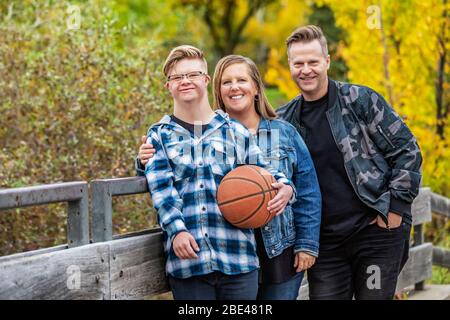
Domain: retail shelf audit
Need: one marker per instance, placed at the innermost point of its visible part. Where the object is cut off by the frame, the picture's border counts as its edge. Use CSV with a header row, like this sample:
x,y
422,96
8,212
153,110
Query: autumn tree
x,y
77,91
226,20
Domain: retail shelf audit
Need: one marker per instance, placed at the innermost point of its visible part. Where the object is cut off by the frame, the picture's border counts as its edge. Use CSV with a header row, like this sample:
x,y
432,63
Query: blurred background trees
x,y
81,81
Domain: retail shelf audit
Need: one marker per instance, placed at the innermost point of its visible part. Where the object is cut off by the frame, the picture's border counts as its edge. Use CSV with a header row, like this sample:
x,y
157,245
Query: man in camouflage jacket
x,y
368,165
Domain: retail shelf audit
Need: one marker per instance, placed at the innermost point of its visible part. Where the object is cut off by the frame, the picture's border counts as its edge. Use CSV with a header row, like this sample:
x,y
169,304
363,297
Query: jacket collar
x,y
332,94
264,124
332,97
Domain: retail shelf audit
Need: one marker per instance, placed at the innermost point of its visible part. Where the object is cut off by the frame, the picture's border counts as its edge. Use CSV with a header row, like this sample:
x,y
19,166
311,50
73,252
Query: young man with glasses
x,y
207,258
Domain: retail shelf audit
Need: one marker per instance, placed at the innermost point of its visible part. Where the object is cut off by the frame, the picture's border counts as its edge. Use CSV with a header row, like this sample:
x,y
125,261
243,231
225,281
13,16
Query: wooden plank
x,y
43,194
441,257
137,267
101,200
136,233
421,208
418,266
20,255
77,273
440,204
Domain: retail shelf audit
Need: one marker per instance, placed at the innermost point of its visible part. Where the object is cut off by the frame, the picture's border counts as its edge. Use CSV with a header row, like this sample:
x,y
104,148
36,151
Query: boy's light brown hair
x,y
180,53
308,34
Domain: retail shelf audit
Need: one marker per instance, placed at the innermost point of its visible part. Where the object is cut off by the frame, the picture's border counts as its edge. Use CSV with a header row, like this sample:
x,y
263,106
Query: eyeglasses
x,y
191,76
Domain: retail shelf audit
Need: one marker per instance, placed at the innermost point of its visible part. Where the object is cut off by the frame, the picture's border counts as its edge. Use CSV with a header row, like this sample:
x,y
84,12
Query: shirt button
x,y
266,228
273,251
206,235
203,209
200,163
278,154
201,186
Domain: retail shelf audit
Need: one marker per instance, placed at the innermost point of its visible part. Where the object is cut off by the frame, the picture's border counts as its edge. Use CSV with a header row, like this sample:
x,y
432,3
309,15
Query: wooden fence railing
x,y
132,266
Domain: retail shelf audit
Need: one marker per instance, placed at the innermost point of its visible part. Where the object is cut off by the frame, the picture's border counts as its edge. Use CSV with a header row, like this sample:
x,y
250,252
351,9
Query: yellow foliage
x,y
392,47
400,60
285,17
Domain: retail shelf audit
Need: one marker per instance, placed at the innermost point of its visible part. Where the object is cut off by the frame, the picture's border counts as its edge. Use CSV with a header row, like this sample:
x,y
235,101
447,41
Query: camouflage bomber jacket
x,y
381,156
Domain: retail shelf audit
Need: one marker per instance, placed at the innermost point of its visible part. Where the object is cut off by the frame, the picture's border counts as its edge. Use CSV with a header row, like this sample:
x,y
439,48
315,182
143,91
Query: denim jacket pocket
x,y
278,159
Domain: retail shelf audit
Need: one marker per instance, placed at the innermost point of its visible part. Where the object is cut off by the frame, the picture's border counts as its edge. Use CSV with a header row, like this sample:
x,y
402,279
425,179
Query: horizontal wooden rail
x,y
74,193
441,257
440,204
131,266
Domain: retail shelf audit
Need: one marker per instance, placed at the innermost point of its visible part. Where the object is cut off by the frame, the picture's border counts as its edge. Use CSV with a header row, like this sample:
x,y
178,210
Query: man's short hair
x,y
307,34
180,53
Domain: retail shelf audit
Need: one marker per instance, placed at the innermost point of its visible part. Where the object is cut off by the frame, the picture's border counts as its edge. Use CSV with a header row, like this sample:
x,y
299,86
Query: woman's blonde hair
x,y
262,104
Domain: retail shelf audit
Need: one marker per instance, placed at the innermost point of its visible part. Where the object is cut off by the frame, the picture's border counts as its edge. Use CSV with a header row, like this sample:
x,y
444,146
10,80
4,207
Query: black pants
x,y
366,267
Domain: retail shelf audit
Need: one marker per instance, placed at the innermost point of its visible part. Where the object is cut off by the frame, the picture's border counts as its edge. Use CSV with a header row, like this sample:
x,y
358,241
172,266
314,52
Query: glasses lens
x,y
175,78
194,75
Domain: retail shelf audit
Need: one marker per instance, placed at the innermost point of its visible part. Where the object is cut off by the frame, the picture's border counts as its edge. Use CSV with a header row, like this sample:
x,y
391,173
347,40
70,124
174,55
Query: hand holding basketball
x,y
244,193
277,204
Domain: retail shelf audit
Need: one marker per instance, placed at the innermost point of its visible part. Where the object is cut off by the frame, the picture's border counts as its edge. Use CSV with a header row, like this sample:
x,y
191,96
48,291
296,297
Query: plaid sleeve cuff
x,y
174,228
140,169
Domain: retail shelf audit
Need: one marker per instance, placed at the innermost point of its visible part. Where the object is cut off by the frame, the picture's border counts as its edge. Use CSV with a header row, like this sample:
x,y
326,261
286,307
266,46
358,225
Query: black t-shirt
x,y
188,126
343,213
278,269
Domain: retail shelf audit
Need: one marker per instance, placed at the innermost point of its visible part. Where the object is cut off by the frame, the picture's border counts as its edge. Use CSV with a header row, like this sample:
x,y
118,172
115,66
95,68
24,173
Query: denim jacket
x,y
299,224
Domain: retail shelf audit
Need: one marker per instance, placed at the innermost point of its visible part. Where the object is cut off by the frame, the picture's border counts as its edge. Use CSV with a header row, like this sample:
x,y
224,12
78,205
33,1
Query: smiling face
x,y
309,65
188,91
237,89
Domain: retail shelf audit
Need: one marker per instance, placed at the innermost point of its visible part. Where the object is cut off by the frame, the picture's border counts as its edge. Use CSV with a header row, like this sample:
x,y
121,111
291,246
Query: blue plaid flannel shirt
x,y
183,177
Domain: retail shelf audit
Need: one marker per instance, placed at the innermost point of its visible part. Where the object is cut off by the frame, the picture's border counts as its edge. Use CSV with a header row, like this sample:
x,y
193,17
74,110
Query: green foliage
x,y
73,106
440,275
438,232
323,16
276,97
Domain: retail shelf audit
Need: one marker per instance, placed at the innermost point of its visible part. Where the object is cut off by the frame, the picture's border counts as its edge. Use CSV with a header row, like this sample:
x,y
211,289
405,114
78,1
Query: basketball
x,y
243,195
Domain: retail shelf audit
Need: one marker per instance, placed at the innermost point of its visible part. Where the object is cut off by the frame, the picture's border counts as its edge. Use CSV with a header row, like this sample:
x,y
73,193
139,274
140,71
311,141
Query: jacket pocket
x,y
384,135
279,160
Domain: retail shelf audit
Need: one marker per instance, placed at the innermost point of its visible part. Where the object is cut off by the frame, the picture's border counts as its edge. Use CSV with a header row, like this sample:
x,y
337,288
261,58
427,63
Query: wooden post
x,y
418,240
102,192
101,211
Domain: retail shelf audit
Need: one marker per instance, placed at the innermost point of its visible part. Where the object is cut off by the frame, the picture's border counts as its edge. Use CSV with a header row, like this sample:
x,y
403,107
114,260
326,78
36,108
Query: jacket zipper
x,y
348,176
380,130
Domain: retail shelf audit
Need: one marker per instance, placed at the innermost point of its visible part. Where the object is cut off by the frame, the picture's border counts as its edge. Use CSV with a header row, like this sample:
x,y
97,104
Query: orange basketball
x,y
243,195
